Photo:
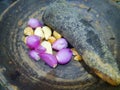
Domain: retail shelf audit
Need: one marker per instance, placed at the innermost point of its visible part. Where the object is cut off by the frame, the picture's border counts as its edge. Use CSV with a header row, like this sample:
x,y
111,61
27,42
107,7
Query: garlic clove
x,y
51,39
28,31
48,47
78,58
38,31
47,32
24,39
74,51
56,35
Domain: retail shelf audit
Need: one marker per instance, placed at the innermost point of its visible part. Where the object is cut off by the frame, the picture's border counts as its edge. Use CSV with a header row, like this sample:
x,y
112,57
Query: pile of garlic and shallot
x,y
42,42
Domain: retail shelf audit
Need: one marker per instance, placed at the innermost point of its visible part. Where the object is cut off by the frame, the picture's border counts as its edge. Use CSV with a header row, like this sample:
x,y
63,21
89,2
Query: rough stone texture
x,y
66,19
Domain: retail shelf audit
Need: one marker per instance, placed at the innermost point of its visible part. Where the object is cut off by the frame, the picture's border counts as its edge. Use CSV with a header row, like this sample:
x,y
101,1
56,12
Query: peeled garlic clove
x,y
38,31
78,58
51,39
28,31
56,35
48,47
74,51
24,39
47,32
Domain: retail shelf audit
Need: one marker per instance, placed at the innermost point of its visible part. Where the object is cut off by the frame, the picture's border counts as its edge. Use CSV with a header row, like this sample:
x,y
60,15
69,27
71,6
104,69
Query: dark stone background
x,y
4,4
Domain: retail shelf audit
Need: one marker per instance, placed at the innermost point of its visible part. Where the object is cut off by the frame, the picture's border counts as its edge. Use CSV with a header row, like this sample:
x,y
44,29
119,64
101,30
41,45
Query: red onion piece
x,y
33,41
64,56
49,59
40,49
60,44
34,55
33,23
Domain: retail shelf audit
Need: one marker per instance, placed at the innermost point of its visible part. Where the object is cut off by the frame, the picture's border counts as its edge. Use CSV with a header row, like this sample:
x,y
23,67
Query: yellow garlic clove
x,y
78,58
48,46
28,31
56,35
24,39
74,51
47,32
51,39
38,31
